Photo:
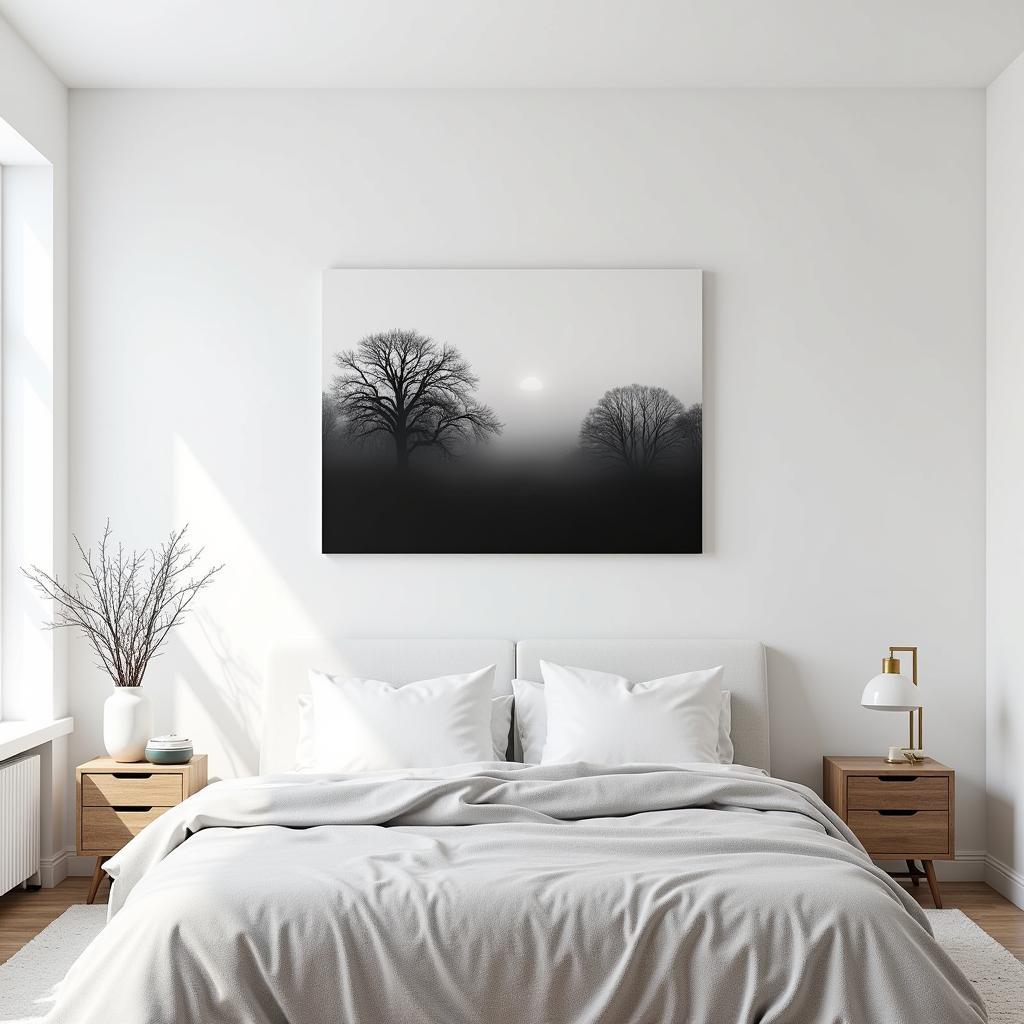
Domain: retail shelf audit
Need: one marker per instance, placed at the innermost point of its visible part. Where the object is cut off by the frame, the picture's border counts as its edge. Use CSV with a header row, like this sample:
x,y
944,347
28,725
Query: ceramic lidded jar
x,y
169,749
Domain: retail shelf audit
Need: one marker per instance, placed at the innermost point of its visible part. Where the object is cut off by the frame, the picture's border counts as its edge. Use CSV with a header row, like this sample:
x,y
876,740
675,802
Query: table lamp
x,y
891,691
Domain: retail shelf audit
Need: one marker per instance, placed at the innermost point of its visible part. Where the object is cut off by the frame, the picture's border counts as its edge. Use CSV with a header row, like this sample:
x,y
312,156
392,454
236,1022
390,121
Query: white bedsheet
x,y
494,893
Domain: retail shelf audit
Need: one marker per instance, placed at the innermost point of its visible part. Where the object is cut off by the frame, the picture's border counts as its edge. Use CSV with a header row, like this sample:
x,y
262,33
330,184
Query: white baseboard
x,y
53,870
78,866
1005,880
969,866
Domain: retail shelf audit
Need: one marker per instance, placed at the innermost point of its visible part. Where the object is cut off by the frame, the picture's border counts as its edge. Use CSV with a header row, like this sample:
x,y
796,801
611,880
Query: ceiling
x,y
521,43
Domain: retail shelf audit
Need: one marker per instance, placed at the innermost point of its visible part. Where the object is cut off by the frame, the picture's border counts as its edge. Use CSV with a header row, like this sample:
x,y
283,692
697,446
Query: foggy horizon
x,y
574,331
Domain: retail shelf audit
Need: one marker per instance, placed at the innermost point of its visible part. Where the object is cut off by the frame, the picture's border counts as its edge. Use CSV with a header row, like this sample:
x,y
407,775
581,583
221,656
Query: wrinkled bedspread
x,y
503,894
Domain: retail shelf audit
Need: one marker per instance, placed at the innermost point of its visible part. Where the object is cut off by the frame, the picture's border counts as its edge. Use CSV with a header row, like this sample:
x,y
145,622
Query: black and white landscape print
x,y
512,411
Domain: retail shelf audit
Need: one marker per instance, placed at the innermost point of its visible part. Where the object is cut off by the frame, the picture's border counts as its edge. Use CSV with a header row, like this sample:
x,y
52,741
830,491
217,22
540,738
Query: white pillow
x,y
726,751
369,725
305,750
531,718
532,722
606,719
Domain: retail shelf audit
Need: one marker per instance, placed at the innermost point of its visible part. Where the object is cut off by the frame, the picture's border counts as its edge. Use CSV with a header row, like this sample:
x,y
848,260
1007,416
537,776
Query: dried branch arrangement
x,y
126,604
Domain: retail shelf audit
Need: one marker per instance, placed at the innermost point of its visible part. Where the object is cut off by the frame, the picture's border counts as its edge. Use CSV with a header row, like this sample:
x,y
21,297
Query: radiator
x,y
19,820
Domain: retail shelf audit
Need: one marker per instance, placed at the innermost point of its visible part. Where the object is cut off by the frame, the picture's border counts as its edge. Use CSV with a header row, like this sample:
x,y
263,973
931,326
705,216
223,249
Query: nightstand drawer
x,y
107,829
911,834
897,792
132,790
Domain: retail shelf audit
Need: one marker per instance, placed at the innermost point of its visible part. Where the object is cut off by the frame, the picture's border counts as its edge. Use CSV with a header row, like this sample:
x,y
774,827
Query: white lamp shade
x,y
891,692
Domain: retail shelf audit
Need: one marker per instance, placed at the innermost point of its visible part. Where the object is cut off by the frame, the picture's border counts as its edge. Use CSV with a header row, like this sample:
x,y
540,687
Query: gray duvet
x,y
495,893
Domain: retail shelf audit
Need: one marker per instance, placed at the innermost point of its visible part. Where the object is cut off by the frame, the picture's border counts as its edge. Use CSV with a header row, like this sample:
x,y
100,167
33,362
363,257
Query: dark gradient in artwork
x,y
407,468
514,508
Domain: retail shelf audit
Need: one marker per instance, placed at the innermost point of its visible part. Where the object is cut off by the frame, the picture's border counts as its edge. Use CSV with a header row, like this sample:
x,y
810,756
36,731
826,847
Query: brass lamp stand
x,y
892,665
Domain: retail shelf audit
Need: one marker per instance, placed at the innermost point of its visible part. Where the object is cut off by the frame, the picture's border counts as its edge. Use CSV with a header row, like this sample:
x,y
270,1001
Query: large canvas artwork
x,y
512,411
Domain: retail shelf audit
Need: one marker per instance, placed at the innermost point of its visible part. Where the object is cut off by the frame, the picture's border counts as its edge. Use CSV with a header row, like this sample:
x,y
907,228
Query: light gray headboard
x,y
743,660
402,660
393,660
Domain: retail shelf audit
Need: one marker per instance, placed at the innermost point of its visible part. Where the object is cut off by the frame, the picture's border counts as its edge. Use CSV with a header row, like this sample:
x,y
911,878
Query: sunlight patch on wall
x,y
218,690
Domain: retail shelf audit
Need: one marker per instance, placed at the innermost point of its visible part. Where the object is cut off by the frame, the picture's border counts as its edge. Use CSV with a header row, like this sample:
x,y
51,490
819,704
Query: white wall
x,y
1005,689
33,671
843,236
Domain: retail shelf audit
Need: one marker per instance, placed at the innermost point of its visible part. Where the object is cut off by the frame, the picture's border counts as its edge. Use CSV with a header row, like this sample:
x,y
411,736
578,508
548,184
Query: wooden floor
x,y
985,907
23,915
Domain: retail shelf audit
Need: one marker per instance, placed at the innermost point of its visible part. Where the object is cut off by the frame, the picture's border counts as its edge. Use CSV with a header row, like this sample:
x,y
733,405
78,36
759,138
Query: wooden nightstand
x,y
117,801
898,811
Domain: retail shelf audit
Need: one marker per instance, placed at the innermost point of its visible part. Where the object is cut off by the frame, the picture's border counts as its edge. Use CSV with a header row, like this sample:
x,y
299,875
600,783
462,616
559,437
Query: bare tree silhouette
x,y
691,426
414,391
330,419
636,427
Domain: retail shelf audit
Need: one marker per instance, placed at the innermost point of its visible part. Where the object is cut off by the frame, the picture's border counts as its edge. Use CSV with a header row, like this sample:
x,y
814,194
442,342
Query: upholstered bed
x,y
498,892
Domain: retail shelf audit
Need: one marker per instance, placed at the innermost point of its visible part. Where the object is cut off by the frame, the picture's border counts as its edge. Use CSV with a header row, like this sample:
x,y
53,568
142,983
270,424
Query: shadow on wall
x,y
1002,813
790,719
230,699
1001,810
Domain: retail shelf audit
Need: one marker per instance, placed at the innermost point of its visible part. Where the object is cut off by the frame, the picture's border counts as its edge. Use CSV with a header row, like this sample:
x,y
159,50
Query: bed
x,y
498,892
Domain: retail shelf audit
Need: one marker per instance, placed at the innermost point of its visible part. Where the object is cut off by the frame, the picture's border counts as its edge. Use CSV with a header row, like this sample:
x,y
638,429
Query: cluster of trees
x,y
640,427
402,391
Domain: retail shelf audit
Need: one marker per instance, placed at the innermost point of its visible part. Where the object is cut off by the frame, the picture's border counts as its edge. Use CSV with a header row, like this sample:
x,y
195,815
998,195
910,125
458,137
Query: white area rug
x,y
28,981
993,970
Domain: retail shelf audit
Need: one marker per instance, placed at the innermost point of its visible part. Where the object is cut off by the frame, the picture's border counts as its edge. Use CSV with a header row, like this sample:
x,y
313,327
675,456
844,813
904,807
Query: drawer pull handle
x,y
132,775
898,778
898,814
131,808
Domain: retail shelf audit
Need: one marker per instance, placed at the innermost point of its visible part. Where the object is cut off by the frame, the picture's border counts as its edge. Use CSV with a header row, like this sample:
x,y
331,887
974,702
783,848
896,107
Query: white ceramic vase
x,y
127,723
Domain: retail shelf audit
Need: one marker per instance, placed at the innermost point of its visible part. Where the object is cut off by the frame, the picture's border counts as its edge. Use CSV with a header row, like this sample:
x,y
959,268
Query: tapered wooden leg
x,y
933,883
912,868
97,878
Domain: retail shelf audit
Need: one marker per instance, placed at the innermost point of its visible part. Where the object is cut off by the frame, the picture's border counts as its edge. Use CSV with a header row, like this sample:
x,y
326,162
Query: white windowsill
x,y
16,737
